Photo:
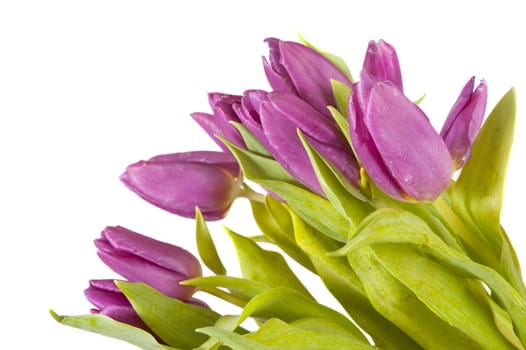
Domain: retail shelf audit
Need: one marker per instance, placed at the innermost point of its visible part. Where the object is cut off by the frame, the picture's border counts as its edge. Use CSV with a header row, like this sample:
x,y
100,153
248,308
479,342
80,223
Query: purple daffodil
x,y
464,120
139,258
298,69
281,116
180,182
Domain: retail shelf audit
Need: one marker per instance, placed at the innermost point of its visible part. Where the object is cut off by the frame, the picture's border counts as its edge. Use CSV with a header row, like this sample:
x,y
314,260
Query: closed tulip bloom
x,y
464,120
139,258
218,123
381,63
298,69
248,112
281,116
180,182
396,144
110,301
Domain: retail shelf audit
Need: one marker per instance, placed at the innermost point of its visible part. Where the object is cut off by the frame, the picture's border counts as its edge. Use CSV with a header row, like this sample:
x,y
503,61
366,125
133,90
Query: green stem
x,y
247,192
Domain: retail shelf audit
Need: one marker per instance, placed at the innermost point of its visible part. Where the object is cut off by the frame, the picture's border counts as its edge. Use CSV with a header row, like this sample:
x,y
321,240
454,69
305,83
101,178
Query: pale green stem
x,y
470,238
252,195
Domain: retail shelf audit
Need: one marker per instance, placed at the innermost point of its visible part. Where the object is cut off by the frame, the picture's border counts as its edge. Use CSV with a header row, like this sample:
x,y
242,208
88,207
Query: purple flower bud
x,y
248,112
281,116
398,147
464,120
180,182
111,302
139,258
298,69
381,64
218,123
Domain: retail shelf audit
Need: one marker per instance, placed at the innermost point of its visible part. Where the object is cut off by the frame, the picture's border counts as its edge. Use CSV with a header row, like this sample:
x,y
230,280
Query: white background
x,y
88,87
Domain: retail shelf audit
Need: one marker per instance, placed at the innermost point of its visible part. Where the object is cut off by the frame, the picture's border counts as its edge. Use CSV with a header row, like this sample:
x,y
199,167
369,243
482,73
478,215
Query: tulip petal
x,y
160,253
304,116
413,152
381,62
366,150
217,126
311,74
298,69
136,269
286,146
222,160
103,293
464,120
179,187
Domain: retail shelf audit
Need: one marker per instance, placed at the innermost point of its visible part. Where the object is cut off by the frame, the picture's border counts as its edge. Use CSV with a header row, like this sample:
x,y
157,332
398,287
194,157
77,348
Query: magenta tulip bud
x,y
139,258
218,123
396,144
248,112
298,69
464,120
281,116
111,302
381,64
180,182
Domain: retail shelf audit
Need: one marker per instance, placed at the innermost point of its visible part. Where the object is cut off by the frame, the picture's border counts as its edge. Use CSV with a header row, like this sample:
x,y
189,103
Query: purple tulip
x,y
248,113
218,123
381,64
139,258
281,116
464,120
396,144
180,182
298,69
111,302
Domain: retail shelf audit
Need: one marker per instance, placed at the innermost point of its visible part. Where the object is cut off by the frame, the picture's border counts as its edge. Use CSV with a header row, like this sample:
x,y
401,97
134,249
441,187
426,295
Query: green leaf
x,y
420,99
252,143
172,320
346,287
449,299
402,307
402,228
206,247
339,191
233,340
289,305
256,166
265,266
315,210
341,93
307,334
500,316
342,123
106,326
274,221
478,193
337,61
241,288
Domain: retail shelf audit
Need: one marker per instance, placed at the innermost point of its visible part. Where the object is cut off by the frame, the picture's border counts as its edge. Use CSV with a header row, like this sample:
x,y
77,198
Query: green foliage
x,y
205,245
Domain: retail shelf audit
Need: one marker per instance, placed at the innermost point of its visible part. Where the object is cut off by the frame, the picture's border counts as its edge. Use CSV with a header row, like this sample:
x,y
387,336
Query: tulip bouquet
x,y
400,222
